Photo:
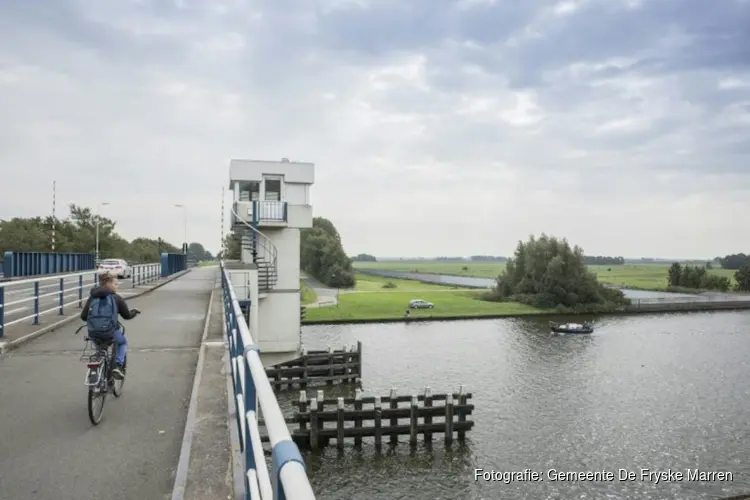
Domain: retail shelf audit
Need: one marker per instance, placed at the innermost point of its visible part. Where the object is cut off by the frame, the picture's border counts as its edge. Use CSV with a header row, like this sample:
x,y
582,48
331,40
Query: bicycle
x,y
99,378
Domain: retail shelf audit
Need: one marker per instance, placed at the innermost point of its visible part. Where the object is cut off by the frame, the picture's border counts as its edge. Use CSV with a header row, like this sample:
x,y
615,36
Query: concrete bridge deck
x,y
49,449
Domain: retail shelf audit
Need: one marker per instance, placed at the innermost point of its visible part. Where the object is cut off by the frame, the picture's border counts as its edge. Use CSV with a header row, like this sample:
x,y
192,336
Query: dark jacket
x,y
99,292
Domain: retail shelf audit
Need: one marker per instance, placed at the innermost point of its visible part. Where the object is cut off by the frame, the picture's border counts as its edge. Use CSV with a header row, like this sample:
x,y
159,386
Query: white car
x,y
119,266
420,304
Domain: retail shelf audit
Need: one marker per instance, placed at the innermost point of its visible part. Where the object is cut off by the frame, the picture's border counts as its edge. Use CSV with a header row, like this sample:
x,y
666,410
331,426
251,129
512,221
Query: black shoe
x,y
118,373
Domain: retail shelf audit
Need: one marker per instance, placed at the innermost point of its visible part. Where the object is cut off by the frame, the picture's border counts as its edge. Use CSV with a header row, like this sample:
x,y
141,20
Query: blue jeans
x,y
121,347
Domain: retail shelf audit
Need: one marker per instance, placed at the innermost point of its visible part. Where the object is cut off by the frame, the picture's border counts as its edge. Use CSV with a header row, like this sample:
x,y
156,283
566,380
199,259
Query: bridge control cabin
x,y
271,205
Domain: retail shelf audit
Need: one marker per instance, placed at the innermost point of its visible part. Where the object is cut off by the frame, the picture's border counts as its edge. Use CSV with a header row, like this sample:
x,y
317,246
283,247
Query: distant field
x,y
645,276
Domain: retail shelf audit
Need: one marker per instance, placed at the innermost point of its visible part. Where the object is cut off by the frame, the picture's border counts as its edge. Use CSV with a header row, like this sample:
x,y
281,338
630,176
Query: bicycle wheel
x,y
118,385
97,396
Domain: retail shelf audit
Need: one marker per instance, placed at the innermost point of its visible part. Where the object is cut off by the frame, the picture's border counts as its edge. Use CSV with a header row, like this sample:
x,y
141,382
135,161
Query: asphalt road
x,y
49,449
19,298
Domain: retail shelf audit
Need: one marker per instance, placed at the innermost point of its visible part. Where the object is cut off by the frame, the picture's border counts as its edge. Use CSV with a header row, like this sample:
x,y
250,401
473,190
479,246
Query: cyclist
x,y
108,287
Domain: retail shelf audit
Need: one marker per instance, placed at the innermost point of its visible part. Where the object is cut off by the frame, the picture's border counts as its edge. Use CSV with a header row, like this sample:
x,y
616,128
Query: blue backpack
x,y
102,318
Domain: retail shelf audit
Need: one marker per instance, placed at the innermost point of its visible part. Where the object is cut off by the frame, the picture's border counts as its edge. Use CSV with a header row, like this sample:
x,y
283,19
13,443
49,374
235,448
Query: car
x,y
120,266
420,304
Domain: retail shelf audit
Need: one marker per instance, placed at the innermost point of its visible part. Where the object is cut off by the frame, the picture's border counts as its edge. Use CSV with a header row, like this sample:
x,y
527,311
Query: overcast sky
x,y
437,127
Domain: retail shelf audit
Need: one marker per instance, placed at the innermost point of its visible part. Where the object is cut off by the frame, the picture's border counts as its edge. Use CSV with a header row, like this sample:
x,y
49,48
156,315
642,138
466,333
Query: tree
x,y
198,253
323,256
742,277
232,247
696,277
77,234
546,272
364,257
674,274
734,261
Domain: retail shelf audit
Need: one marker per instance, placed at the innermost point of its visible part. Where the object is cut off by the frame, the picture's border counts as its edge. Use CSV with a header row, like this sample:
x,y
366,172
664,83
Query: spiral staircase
x,y
263,251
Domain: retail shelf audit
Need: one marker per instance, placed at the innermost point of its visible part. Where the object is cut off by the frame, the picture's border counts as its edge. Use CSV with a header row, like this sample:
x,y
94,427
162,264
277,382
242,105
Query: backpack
x,y
102,318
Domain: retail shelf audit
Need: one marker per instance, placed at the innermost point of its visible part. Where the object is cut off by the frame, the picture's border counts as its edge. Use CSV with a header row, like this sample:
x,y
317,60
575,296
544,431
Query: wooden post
x,y
302,408
357,419
330,366
340,424
359,360
322,441
346,363
314,426
427,418
394,421
462,415
448,419
413,421
378,424
303,384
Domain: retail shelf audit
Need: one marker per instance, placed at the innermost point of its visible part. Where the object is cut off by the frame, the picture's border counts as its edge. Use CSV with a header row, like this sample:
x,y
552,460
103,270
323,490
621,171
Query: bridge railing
x,y
32,298
253,393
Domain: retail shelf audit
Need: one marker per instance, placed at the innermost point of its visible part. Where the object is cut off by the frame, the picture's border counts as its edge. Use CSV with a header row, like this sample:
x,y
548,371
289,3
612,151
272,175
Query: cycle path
x,y
49,449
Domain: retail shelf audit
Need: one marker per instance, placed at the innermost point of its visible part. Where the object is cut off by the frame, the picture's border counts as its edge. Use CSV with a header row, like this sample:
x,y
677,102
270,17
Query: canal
x,y
474,282
654,392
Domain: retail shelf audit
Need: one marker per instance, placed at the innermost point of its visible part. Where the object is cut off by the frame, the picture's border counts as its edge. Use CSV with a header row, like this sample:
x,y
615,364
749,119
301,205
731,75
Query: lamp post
x,y
184,216
98,217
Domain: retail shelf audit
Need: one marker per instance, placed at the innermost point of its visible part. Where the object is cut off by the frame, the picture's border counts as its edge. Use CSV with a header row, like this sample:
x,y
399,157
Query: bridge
x,y
170,435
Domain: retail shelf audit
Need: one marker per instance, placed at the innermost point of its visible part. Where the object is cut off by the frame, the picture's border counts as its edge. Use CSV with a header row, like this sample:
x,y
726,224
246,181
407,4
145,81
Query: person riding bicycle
x,y
102,308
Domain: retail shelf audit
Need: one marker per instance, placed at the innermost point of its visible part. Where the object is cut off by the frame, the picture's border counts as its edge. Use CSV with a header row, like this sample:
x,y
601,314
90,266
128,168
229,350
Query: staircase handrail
x,y
267,245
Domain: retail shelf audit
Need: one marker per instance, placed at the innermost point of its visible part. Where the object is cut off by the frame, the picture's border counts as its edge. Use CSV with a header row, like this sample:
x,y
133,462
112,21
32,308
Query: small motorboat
x,y
571,327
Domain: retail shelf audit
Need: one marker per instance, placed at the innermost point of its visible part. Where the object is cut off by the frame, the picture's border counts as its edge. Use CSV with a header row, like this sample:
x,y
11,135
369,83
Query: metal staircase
x,y
263,251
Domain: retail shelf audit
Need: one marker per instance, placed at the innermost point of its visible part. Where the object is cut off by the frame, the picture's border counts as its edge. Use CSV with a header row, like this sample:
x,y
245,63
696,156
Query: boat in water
x,y
571,327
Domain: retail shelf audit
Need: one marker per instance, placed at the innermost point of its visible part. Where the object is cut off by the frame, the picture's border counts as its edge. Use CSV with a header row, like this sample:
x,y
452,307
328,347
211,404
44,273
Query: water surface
x,y
652,391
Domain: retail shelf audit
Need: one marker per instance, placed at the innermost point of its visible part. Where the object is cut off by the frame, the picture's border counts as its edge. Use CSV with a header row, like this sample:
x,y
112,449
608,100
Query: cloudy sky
x,y
437,127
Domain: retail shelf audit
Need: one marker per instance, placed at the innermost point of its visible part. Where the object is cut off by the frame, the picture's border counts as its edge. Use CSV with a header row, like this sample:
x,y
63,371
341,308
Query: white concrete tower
x,y
271,206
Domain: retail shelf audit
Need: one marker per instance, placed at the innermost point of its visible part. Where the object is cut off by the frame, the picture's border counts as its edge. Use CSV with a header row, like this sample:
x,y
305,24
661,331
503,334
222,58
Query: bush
x,y
389,284
547,273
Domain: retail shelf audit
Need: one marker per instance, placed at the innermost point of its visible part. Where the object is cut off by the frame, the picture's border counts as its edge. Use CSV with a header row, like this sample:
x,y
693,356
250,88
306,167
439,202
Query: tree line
x,y
733,261
699,278
696,277
364,257
77,234
601,260
546,272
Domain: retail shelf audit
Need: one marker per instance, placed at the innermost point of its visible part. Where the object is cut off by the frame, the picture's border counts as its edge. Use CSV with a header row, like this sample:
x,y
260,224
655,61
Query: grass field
x,y
370,300
643,276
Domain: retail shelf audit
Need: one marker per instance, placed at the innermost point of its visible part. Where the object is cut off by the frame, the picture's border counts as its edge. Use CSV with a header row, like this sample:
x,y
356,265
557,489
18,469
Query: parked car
x,y
120,266
420,304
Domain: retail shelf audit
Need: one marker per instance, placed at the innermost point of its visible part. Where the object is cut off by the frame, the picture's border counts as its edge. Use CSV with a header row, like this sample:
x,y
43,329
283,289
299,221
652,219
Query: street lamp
x,y
184,212
98,211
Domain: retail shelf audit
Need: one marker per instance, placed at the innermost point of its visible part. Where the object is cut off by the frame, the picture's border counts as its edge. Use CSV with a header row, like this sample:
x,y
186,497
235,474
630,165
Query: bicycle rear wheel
x,y
118,385
97,396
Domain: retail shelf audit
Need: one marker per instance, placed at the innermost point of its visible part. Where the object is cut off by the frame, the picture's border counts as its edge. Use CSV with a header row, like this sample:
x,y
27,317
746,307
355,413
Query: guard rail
x,y
253,392
30,299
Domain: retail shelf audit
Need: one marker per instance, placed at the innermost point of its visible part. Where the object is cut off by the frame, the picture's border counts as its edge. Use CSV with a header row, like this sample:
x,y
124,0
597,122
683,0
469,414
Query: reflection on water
x,y
656,392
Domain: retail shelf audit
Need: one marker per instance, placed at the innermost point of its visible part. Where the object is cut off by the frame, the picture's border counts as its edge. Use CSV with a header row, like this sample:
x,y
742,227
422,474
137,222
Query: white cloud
x,y
459,130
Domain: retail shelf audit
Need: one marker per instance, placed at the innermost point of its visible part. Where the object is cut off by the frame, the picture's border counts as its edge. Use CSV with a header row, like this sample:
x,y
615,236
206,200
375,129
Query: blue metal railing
x,y
252,389
30,299
173,263
22,264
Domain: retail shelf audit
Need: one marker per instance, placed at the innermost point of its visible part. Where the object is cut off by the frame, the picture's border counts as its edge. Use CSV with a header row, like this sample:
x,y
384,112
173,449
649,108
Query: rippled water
x,y
653,392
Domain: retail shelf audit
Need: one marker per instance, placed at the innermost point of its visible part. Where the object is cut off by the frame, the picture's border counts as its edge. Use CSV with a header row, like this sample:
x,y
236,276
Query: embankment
x,y
637,307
